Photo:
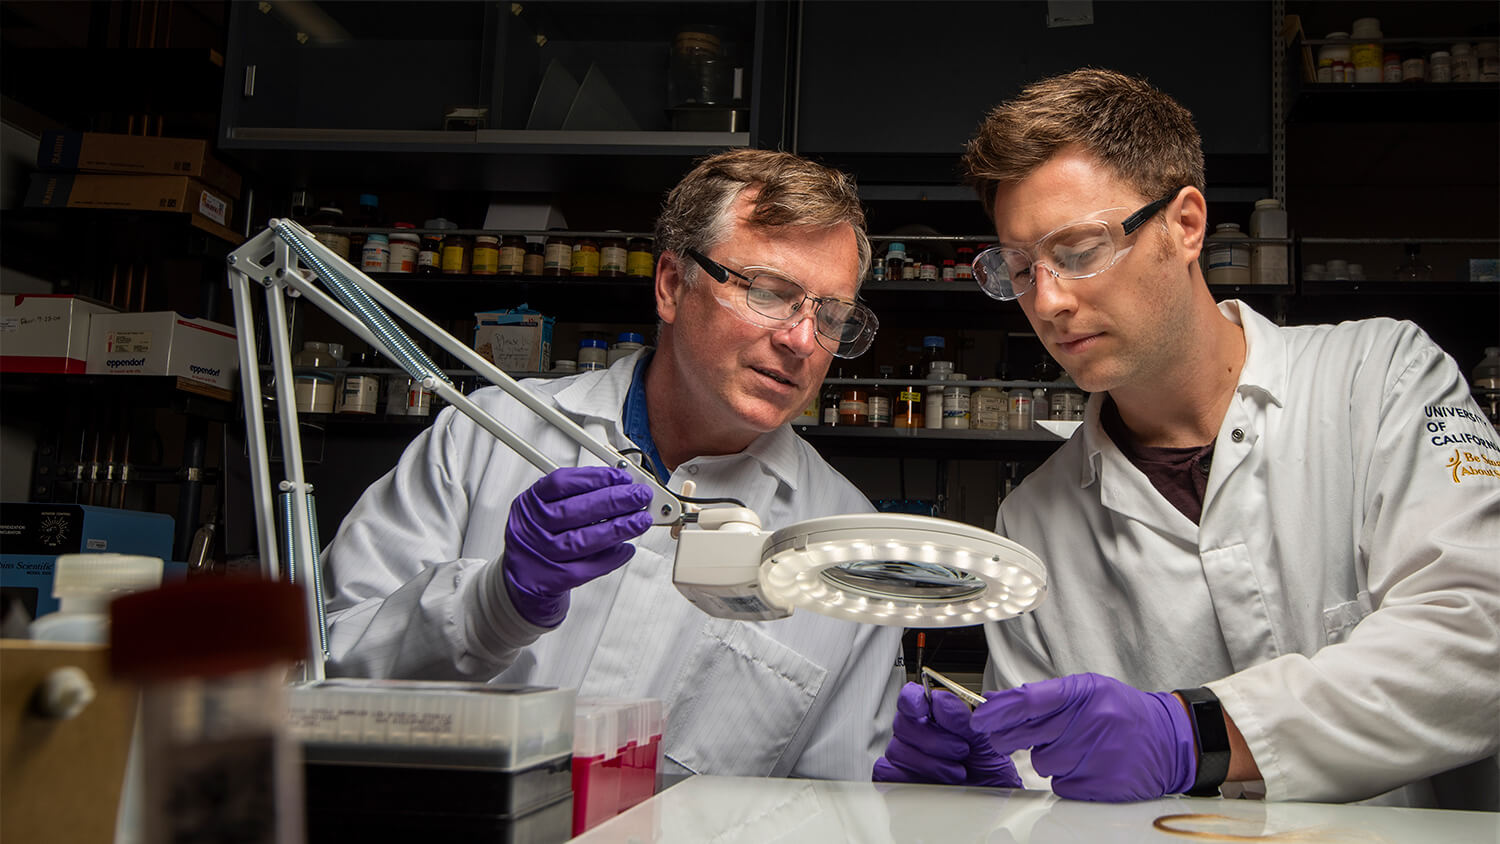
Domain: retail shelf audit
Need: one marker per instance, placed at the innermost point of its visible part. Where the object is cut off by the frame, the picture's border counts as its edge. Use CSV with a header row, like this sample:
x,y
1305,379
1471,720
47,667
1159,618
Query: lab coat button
x,y
692,470
1238,434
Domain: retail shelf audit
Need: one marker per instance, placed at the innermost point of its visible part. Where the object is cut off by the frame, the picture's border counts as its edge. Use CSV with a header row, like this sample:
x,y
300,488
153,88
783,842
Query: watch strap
x,y
1210,737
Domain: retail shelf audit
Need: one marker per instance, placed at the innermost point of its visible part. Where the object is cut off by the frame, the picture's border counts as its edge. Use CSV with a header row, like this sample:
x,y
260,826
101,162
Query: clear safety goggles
x,y
767,298
1079,249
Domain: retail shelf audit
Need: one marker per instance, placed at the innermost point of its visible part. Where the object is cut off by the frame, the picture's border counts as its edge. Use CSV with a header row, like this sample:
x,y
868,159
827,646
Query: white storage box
x,y
163,343
46,332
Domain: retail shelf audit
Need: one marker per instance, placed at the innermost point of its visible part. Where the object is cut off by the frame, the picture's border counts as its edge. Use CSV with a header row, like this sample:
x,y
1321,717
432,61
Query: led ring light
x,y
875,568
903,570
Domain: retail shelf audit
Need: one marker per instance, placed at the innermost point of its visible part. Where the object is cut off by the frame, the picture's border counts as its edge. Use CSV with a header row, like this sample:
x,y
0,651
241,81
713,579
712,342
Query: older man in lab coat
x,y
1297,529
462,564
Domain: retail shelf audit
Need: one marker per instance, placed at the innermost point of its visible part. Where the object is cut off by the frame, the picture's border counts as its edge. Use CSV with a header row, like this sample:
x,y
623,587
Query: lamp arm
x,y
362,308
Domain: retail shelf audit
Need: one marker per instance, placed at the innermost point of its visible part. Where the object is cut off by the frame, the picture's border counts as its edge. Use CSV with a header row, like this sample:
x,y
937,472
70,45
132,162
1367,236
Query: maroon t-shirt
x,y
1179,474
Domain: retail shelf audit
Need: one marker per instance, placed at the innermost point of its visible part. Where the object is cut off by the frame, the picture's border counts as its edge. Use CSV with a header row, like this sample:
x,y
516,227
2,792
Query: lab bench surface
x,y
750,809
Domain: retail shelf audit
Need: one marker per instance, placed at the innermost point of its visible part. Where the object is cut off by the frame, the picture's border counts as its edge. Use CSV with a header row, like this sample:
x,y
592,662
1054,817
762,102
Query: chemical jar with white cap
x,y
1334,59
989,408
1228,261
956,402
1365,53
625,345
405,245
375,255
1268,261
938,370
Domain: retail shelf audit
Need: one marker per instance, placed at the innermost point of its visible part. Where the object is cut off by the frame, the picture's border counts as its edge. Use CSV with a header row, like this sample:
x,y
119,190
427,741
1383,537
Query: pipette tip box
x,y
616,750
457,758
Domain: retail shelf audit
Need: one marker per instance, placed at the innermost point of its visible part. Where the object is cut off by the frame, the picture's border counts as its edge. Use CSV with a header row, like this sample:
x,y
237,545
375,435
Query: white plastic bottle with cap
x,y
84,584
1268,261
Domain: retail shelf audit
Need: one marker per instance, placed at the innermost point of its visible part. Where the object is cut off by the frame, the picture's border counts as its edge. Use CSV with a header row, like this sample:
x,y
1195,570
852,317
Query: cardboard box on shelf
x,y
139,154
210,208
46,332
163,343
515,339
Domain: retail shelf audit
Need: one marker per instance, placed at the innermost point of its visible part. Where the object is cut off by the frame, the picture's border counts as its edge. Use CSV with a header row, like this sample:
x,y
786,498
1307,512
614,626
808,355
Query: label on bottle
x,y
585,261
403,257
880,410
486,260
612,260
360,394
558,256
639,264
854,408
512,260
453,259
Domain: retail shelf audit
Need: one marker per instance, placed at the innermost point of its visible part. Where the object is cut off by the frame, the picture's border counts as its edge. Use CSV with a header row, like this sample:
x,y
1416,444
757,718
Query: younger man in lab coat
x,y
462,564
1297,528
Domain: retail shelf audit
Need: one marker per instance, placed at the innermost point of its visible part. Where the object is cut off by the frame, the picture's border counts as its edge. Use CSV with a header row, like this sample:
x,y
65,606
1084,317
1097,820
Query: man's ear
x,y
669,286
1189,225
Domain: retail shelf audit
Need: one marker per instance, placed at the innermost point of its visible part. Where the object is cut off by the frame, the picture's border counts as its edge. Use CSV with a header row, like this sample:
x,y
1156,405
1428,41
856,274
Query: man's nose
x,y
1051,296
799,335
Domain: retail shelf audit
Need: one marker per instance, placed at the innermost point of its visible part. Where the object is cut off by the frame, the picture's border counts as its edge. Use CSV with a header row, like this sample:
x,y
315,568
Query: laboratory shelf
x,y
929,443
181,394
1476,289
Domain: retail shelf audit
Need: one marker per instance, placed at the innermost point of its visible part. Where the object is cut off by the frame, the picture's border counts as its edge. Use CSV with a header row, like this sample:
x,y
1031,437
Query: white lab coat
x,y
1341,593
415,592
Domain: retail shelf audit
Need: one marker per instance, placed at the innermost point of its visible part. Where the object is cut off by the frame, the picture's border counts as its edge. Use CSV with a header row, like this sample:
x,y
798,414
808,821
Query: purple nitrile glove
x,y
565,530
1098,738
940,747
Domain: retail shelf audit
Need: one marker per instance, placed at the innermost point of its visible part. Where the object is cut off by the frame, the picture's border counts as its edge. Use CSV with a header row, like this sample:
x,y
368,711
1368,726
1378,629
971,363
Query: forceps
x,y
928,676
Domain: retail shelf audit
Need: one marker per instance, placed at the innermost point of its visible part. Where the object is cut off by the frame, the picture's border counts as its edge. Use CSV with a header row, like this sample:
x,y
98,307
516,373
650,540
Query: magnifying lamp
x,y
892,569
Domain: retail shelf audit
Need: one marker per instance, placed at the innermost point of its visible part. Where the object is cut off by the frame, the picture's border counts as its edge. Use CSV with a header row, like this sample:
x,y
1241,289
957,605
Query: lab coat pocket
x,y
739,701
1339,620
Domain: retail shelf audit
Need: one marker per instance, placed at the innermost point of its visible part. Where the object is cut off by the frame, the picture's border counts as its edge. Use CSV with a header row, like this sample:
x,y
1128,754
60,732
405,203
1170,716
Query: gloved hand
x,y
1098,738
940,747
565,530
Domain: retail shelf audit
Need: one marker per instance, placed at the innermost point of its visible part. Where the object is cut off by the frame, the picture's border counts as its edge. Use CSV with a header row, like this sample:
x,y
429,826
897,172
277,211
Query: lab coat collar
x,y
1264,373
601,395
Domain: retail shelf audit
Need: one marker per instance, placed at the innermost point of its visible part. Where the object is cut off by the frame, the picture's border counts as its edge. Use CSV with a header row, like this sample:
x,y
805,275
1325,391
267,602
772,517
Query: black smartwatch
x,y
1212,740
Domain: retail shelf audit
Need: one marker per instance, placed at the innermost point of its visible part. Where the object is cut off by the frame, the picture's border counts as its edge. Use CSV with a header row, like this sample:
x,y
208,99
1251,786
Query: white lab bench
x,y
749,809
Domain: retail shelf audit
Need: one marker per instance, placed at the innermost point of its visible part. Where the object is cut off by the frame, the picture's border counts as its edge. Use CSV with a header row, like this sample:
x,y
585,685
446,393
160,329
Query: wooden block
x,y
60,780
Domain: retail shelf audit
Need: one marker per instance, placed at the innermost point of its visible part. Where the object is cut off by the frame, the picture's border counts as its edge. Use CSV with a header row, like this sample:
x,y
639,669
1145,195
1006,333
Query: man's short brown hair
x,y
791,191
1143,136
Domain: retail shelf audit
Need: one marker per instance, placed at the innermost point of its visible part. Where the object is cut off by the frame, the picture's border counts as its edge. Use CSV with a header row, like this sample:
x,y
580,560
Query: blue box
x,y
32,536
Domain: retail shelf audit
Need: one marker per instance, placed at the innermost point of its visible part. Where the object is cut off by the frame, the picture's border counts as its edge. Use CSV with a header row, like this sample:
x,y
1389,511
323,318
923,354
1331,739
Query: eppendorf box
x,y
163,343
62,149
46,332
211,209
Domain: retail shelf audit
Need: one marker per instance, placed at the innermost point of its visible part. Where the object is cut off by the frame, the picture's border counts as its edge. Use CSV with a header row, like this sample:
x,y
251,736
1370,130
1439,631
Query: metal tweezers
x,y
968,697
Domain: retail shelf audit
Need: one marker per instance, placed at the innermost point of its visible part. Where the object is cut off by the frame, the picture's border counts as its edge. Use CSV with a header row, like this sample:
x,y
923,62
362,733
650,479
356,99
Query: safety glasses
x,y
767,298
1080,249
